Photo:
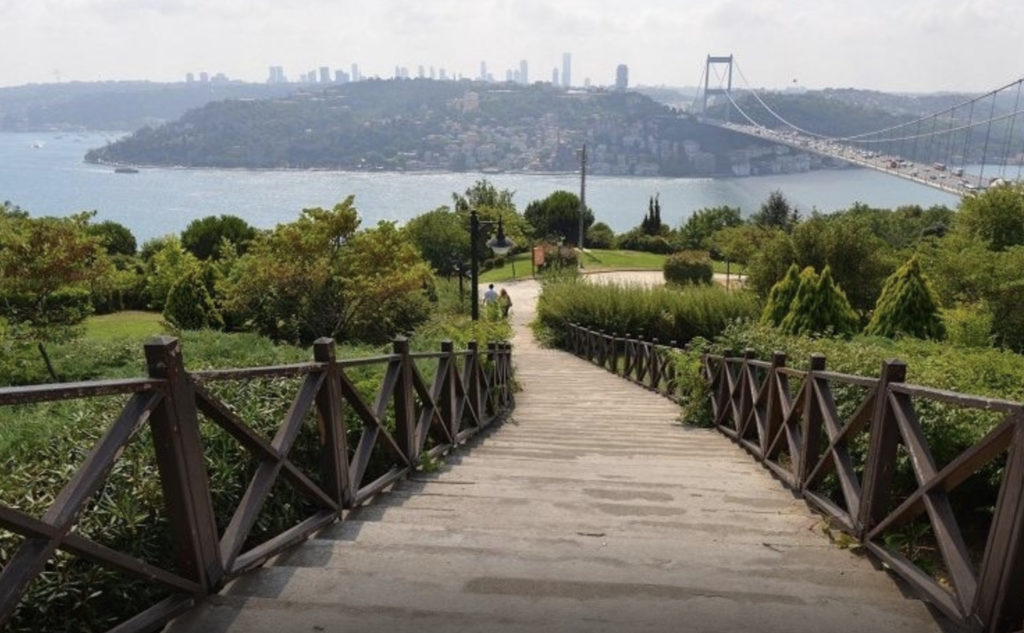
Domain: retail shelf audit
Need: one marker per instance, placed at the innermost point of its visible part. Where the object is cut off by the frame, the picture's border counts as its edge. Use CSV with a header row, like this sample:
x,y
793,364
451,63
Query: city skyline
x,y
913,46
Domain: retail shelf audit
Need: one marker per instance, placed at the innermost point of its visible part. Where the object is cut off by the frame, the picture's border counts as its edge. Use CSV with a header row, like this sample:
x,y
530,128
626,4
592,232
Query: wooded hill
x,y
433,125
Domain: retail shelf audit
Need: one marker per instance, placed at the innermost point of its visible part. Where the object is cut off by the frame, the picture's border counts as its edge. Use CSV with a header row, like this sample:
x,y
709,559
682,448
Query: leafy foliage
x,y
688,267
558,217
204,237
442,237
697,231
319,276
600,236
668,314
995,217
819,306
776,212
781,297
115,238
189,305
907,306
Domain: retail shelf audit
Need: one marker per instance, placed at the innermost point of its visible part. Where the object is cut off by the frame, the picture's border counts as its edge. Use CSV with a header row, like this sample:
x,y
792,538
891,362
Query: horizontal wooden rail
x,y
845,467
411,416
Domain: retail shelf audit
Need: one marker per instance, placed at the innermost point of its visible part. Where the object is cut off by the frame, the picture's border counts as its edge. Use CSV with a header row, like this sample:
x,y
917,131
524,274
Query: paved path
x,y
592,510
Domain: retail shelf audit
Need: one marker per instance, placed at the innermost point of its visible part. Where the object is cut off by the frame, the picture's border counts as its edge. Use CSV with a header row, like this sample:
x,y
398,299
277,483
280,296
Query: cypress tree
x,y
781,297
189,305
907,306
819,305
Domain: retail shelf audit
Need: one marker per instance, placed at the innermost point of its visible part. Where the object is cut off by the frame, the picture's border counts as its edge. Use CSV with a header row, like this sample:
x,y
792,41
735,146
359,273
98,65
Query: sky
x,y
889,45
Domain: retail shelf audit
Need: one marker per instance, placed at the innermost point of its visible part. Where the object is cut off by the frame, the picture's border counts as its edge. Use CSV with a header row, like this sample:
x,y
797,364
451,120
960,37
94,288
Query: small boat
x,y
125,170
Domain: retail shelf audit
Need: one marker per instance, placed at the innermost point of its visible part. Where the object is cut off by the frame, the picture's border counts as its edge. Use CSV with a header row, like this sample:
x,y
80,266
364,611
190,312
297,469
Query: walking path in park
x,y
592,509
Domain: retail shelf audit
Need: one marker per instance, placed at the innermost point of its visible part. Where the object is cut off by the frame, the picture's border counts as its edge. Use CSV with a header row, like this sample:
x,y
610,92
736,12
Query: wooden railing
x,y
845,466
409,418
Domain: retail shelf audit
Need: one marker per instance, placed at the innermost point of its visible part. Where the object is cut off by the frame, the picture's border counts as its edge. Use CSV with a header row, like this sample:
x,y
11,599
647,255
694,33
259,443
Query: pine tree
x,y
189,305
781,297
820,305
907,306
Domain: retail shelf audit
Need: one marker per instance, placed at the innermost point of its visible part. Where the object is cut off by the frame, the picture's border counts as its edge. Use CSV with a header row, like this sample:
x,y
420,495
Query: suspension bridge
x,y
962,148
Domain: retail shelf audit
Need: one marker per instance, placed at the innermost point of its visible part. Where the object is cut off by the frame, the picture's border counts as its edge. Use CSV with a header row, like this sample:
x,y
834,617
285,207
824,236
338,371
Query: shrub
x,y
638,241
781,297
969,325
819,306
907,306
688,267
664,313
189,305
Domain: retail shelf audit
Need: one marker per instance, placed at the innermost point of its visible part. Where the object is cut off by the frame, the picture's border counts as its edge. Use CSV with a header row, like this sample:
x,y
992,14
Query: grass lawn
x,y
130,323
593,259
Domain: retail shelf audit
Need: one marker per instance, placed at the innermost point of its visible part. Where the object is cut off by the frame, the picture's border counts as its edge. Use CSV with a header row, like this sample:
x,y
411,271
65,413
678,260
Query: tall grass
x,y
668,314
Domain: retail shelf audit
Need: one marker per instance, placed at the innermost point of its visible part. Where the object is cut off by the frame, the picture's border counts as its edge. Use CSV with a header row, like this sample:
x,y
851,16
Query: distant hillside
x,y
435,125
115,105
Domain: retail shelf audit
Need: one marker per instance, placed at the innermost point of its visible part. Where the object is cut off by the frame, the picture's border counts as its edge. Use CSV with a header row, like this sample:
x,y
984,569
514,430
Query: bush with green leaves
x,y
668,314
907,306
820,306
781,297
689,267
189,305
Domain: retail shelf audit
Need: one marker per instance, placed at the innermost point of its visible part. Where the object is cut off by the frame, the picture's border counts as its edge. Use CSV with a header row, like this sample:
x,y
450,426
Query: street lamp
x,y
499,244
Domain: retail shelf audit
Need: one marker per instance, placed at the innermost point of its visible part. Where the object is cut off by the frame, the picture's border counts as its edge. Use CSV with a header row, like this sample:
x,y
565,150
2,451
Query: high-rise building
x,y
276,75
483,71
621,77
554,76
340,76
355,72
204,77
510,75
441,74
190,78
325,75
421,72
566,70
524,77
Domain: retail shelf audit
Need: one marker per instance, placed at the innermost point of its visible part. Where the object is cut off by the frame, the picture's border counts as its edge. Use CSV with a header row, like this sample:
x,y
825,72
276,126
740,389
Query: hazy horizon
x,y
913,46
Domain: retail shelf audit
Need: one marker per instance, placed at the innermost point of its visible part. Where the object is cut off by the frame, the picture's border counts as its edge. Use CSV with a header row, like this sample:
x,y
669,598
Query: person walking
x,y
490,297
505,303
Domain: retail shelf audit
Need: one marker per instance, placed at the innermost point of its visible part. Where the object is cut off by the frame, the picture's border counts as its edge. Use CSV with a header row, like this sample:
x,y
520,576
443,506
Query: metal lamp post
x,y
499,244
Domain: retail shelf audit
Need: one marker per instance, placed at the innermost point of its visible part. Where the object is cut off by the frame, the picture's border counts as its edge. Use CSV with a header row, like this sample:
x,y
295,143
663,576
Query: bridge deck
x,y
591,510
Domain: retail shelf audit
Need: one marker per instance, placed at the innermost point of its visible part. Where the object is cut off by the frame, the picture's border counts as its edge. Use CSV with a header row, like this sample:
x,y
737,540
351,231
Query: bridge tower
x,y
709,91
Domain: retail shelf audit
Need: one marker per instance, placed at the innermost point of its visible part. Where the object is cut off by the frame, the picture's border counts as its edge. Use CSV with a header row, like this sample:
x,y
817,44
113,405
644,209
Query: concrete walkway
x,y
592,510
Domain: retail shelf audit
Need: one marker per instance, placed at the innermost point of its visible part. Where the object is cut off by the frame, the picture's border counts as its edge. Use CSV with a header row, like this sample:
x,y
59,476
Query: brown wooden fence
x,y
845,466
468,390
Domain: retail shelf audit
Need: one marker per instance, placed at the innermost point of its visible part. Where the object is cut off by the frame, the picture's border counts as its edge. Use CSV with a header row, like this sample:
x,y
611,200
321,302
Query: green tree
x,y
819,306
320,276
167,262
907,306
47,266
776,212
189,305
699,228
781,296
996,216
558,216
204,237
600,235
441,236
115,238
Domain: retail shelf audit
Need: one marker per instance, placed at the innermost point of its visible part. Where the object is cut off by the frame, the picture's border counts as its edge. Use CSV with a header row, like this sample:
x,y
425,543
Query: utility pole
x,y
583,195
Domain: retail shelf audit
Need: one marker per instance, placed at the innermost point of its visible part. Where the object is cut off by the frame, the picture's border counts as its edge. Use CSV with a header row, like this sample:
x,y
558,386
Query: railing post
x,y
654,367
333,432
179,457
447,398
746,400
999,604
881,458
505,362
811,423
614,365
492,377
471,380
774,421
405,422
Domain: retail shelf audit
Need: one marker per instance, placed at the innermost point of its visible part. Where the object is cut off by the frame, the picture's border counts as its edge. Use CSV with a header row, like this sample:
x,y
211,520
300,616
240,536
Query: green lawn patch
x,y
128,324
